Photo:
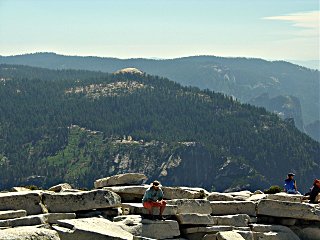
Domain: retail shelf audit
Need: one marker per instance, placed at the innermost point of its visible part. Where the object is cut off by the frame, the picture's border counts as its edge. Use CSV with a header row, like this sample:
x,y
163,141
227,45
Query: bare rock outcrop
x,y
28,201
121,179
60,187
27,233
77,201
90,228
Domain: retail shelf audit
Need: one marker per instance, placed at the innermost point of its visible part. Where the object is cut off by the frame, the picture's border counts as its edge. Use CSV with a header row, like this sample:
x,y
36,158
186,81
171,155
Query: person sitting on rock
x,y
314,194
290,185
153,197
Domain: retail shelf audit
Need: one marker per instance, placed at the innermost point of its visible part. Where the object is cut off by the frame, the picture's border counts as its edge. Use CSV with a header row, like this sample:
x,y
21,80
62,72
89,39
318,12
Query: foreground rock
x,y
129,193
208,233
285,197
27,233
121,179
257,197
229,235
216,196
71,202
289,210
12,214
53,218
200,206
184,192
239,220
23,221
90,228
60,187
83,215
276,232
136,192
233,207
194,219
240,196
20,189
47,218
148,228
29,201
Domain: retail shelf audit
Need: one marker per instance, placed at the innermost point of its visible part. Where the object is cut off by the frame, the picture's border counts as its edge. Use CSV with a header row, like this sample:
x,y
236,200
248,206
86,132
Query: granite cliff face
x,y
287,107
313,130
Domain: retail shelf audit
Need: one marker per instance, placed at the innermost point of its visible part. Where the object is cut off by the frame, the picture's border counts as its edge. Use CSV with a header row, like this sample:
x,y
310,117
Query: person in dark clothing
x,y
314,194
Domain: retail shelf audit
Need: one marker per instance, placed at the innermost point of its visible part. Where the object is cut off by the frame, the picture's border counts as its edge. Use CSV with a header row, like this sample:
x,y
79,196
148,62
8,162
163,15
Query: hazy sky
x,y
269,29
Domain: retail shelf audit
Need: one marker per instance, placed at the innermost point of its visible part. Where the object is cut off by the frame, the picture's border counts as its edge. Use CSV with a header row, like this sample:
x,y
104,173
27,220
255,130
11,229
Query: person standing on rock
x,y
153,197
290,185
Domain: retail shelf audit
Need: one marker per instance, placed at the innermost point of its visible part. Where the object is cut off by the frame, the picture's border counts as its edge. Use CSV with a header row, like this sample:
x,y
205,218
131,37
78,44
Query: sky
x,y
273,29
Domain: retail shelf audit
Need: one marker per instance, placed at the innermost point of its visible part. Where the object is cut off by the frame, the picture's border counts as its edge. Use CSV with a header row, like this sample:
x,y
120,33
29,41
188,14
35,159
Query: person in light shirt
x,y
153,197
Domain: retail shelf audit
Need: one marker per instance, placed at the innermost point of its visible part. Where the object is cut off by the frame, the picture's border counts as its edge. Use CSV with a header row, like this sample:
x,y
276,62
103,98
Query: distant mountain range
x,y
289,90
76,126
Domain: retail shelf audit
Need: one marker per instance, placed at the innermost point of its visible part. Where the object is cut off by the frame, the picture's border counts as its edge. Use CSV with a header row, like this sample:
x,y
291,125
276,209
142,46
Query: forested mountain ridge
x,y
245,79
76,126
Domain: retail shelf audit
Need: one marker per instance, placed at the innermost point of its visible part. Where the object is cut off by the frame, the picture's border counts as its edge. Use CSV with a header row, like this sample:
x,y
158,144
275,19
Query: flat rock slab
x,y
184,192
195,219
28,233
12,214
286,197
71,202
210,236
233,207
160,229
200,206
134,193
53,218
247,235
32,220
211,229
23,221
129,193
130,223
274,236
257,197
229,235
20,189
137,208
216,196
269,228
148,229
289,210
29,201
264,231
239,220
91,228
121,179
60,187
240,196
